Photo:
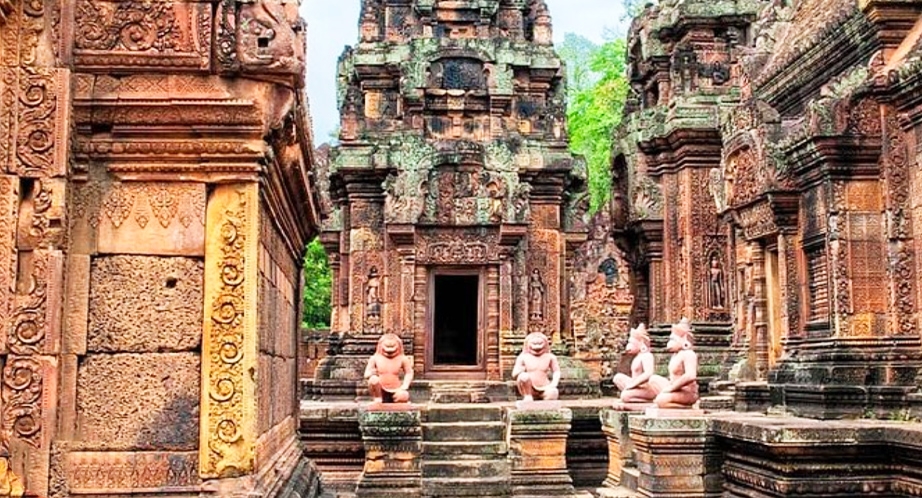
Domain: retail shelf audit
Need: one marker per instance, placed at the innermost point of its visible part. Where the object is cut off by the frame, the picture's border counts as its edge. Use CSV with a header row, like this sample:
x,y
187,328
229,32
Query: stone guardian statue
x,y
383,371
531,369
637,387
681,389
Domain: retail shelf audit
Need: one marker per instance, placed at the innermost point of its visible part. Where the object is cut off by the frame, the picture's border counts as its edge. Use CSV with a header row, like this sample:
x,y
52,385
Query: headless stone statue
x,y
383,371
681,389
532,367
637,387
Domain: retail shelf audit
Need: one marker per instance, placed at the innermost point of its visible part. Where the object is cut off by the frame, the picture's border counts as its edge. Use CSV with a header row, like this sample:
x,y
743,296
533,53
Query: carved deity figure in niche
x,y
531,369
383,371
535,297
680,390
637,387
373,296
496,192
717,291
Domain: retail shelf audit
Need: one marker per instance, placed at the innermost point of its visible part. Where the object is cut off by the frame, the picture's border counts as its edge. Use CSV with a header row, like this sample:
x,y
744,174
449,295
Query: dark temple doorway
x,y
455,340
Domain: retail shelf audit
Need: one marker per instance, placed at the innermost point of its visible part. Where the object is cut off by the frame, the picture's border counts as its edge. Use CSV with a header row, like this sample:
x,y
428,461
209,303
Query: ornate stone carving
x,y
101,472
132,26
373,299
716,284
229,346
142,34
265,36
536,299
22,398
33,133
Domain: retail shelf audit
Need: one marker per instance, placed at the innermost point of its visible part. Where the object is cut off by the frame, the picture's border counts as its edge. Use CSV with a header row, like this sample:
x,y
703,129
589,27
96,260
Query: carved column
x,y
759,339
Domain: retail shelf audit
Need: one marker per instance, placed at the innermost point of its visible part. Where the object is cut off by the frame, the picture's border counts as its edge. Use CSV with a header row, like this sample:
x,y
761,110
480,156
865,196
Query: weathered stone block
x,y
538,451
676,457
139,402
393,445
620,447
145,304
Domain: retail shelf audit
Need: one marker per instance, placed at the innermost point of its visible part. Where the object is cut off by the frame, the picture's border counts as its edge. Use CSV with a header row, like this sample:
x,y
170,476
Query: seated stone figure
x,y
383,371
681,389
532,367
637,387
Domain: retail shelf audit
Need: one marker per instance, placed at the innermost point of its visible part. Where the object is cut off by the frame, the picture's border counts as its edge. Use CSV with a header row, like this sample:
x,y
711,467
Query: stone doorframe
x,y
431,371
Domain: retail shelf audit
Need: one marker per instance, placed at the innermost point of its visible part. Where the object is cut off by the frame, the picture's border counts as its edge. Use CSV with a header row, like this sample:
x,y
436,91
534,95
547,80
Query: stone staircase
x,y
465,452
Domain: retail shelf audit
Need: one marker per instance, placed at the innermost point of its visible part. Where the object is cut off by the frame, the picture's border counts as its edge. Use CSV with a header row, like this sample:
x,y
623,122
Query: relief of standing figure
x,y
535,297
717,293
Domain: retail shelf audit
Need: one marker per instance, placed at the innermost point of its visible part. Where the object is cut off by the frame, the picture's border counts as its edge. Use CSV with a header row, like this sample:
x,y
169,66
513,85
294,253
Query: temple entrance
x,y
455,342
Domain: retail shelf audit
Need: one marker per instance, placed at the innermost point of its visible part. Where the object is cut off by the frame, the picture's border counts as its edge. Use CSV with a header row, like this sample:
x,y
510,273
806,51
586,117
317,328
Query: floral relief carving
x,y
131,25
118,204
164,204
229,296
140,32
34,125
22,396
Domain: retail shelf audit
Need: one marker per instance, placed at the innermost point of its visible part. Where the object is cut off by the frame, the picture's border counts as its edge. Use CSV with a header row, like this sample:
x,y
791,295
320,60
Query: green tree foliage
x,y
596,100
317,285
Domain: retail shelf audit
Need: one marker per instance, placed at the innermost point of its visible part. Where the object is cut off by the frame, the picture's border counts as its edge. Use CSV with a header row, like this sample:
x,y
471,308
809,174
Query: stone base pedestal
x,y
676,457
620,447
393,445
538,451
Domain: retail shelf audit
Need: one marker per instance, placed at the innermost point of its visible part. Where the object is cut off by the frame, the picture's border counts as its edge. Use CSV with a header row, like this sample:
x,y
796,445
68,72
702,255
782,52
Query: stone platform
x,y
587,448
466,449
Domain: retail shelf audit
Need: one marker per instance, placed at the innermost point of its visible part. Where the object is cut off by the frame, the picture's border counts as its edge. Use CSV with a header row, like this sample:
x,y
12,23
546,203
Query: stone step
x,y
619,492
464,431
464,413
464,469
468,487
465,449
629,478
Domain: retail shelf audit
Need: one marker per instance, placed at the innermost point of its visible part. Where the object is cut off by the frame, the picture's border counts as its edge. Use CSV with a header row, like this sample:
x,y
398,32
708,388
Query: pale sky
x,y
333,24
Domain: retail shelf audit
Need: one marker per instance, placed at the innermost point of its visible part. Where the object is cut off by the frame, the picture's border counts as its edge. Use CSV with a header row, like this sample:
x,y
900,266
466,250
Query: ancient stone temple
x,y
456,206
155,206
765,186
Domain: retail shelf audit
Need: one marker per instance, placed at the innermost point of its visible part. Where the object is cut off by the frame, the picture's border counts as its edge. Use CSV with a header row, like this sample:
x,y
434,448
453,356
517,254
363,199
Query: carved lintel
x,y
229,346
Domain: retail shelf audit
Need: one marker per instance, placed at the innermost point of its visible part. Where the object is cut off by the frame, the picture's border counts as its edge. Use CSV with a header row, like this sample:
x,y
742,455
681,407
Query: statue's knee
x,y
401,396
523,378
374,381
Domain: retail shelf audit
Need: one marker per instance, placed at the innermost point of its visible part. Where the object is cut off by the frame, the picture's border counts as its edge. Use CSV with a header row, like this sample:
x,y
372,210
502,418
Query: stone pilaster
x,y
393,445
229,344
676,457
615,426
538,450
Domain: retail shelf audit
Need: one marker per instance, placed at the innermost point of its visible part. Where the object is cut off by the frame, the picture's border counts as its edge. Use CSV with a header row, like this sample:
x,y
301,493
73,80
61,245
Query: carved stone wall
x,y
786,208
114,284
